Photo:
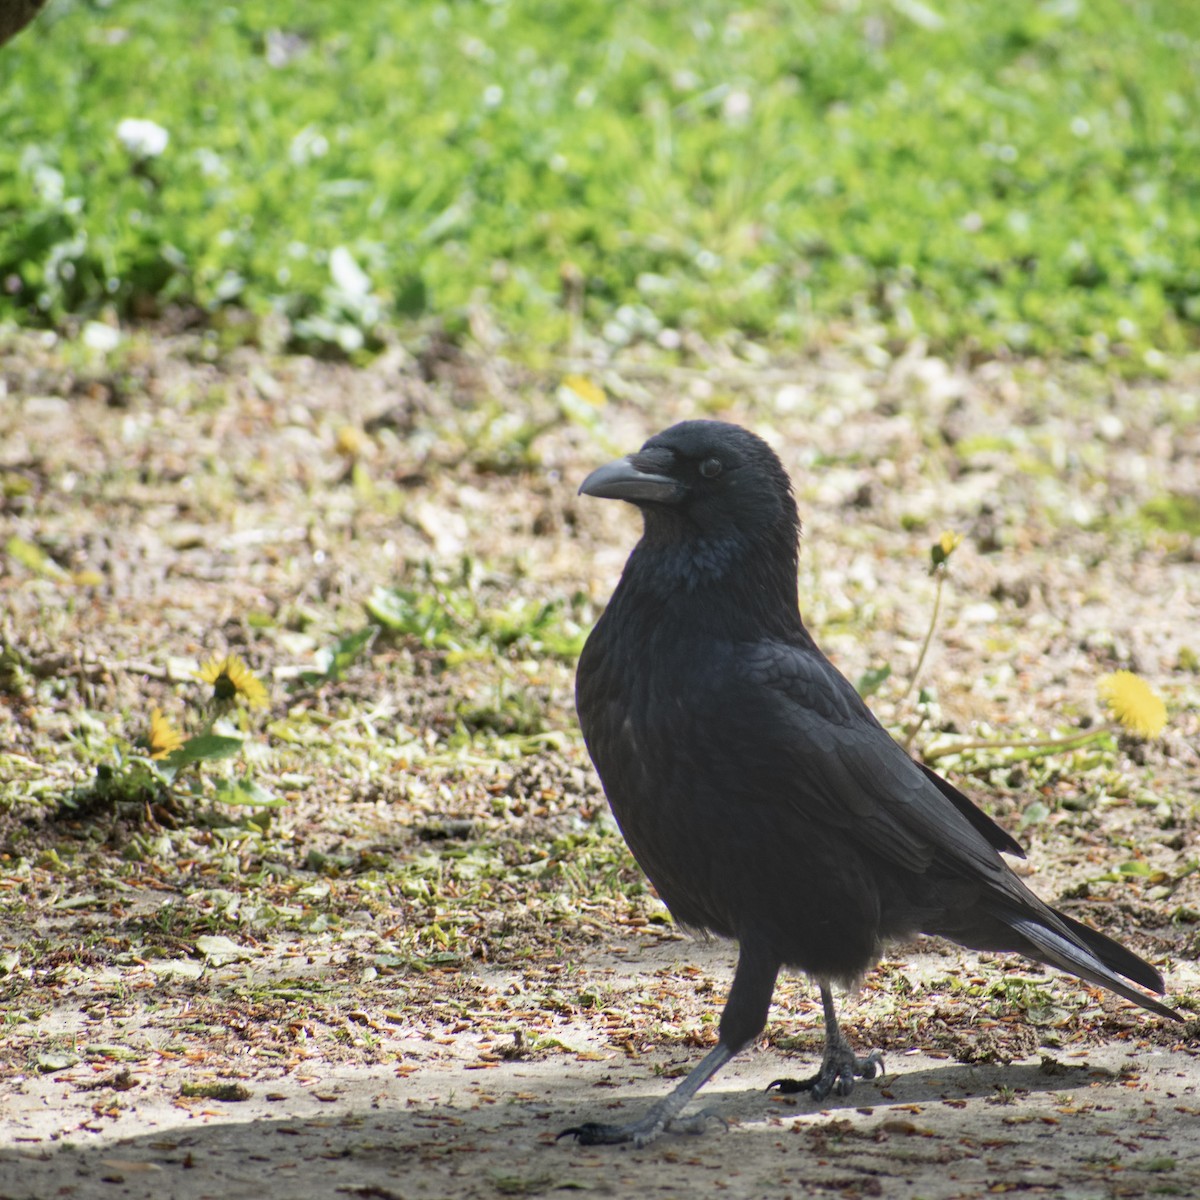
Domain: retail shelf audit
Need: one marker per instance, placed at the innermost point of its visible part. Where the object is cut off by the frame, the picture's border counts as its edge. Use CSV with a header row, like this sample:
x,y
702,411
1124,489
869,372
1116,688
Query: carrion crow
x,y
756,789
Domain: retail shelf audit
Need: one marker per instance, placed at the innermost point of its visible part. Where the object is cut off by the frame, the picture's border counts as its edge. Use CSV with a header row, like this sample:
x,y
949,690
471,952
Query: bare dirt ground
x,y
434,954
1110,1119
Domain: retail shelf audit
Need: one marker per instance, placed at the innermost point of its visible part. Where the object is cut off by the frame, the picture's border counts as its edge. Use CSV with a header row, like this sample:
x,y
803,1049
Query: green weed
x,y
978,175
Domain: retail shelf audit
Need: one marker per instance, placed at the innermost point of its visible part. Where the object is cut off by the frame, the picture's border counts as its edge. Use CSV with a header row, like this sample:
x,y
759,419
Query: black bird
x,y
753,785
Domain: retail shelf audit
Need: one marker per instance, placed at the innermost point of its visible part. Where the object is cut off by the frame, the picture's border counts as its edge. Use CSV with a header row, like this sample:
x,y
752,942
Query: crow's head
x,y
703,480
714,499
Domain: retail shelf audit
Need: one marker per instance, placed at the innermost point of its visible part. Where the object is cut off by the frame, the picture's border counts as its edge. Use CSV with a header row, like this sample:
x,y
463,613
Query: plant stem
x,y
1054,743
937,605
914,729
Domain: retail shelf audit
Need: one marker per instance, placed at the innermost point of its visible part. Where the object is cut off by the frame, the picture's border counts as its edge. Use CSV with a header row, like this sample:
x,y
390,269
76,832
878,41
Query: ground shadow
x,y
937,1128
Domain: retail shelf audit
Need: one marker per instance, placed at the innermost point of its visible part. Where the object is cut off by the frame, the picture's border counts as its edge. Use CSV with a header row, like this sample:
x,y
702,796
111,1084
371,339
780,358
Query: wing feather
x,y
849,771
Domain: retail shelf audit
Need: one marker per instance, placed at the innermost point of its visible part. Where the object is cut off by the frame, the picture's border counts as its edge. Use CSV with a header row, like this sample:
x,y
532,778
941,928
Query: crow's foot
x,y
664,1114
640,1133
837,1074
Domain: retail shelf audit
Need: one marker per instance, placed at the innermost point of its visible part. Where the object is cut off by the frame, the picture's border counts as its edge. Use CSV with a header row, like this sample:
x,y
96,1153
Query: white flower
x,y
737,106
98,336
308,144
348,277
141,138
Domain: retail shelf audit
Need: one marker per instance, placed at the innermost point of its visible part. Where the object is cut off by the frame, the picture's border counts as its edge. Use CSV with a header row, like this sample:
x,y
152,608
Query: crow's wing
x,y
845,769
1000,838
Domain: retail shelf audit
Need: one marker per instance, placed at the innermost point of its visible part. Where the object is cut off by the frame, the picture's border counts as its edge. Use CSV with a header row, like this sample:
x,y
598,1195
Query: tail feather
x,y
1113,955
1084,959
996,836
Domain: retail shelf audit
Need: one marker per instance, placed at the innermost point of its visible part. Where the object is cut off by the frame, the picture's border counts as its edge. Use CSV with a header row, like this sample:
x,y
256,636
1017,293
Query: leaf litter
x,y
430,950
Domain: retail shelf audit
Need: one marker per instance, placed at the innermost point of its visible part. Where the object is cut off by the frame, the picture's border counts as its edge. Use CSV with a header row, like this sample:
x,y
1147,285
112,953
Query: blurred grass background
x,y
569,173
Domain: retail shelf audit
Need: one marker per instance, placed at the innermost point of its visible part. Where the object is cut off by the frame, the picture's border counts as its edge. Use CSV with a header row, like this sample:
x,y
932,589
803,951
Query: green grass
x,y
1023,175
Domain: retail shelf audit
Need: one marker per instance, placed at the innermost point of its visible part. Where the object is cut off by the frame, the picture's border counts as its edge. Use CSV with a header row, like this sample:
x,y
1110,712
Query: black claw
x,y
836,1075
595,1134
788,1087
583,1134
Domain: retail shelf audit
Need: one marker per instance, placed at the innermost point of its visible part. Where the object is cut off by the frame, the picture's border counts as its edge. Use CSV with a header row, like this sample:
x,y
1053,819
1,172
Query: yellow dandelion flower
x,y
585,389
163,737
1134,704
231,679
940,551
350,441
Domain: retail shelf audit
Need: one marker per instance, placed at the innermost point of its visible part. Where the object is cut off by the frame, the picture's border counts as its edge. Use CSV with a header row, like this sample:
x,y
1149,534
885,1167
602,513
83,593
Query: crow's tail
x,y
1113,955
1092,956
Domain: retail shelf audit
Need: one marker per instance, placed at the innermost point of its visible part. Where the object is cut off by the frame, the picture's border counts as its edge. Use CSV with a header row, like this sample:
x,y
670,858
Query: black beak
x,y
623,480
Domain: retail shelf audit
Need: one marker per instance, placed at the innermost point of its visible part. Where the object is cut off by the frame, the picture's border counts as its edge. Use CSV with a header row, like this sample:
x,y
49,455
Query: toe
x,y
595,1134
789,1087
698,1124
871,1066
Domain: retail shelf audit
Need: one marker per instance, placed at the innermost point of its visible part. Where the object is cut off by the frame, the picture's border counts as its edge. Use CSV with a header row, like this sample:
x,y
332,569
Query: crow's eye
x,y
710,468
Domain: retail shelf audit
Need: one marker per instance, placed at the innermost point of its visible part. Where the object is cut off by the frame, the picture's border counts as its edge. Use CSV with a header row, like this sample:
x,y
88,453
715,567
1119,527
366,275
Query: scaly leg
x,y
662,1115
742,1020
839,1066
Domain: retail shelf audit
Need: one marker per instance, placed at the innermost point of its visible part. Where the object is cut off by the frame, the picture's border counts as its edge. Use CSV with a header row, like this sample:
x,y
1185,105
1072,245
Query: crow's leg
x,y
839,1066
662,1115
742,1021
